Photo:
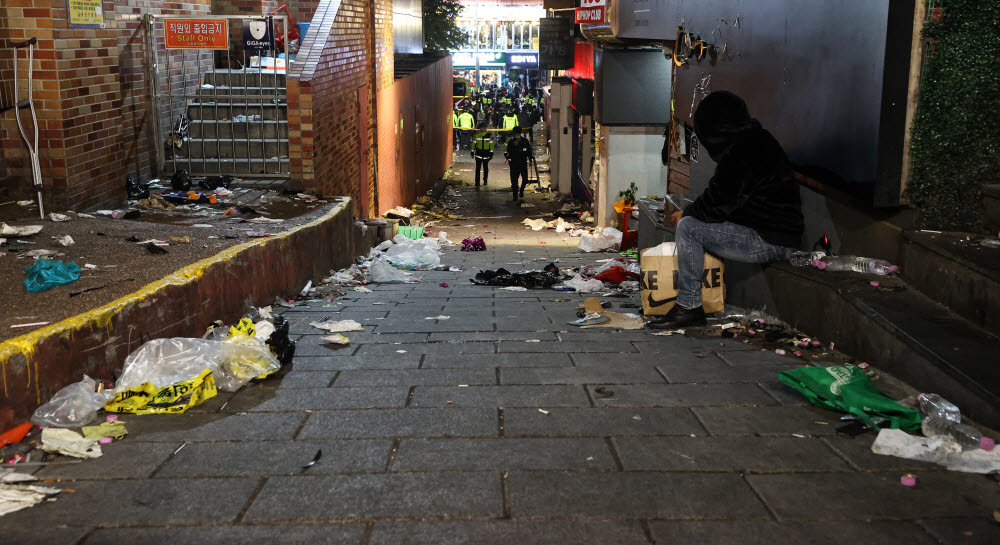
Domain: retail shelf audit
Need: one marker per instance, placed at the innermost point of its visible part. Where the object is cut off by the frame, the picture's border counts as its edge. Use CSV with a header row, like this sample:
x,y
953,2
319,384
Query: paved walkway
x,y
488,428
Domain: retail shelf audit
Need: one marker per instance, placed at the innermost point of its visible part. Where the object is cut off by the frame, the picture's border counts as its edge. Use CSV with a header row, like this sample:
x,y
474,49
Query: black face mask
x,y
721,118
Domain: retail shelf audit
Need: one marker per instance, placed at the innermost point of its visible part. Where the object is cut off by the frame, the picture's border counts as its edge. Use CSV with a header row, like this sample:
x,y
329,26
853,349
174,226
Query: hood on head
x,y
720,118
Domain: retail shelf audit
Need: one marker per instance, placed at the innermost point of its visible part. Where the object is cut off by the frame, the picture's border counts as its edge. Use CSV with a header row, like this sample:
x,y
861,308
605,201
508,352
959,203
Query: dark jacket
x,y
518,152
753,184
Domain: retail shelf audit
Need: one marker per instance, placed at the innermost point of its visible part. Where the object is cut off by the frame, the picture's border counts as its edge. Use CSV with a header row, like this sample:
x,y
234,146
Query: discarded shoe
x,y
679,317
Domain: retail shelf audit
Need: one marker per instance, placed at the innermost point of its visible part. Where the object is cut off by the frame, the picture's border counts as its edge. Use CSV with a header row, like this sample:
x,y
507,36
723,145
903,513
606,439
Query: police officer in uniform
x,y
518,153
466,123
482,151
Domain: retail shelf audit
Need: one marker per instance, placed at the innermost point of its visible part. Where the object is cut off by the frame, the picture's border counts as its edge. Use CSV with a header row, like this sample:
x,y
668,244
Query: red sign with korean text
x,y
196,33
589,15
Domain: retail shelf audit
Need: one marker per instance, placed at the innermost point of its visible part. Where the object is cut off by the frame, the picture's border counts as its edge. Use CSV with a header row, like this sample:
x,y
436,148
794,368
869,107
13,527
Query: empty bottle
x,y
804,259
935,406
856,264
968,437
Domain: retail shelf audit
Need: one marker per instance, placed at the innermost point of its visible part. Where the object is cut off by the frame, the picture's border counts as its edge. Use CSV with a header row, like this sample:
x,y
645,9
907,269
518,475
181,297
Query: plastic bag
x,y
148,398
49,273
414,254
164,362
74,406
546,278
381,272
608,238
584,286
847,389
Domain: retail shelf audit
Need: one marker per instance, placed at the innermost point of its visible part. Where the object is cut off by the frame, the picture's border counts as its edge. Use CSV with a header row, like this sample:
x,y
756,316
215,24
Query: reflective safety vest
x,y
506,100
482,145
509,122
487,100
454,119
465,120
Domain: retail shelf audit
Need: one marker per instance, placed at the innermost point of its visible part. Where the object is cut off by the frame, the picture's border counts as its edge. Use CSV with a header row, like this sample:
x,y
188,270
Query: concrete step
x,y
232,129
957,271
240,78
991,207
896,328
233,167
222,111
241,93
226,149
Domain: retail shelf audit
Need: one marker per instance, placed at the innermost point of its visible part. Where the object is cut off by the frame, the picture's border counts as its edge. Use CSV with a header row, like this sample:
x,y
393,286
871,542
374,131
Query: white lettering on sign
x,y
593,3
524,59
589,15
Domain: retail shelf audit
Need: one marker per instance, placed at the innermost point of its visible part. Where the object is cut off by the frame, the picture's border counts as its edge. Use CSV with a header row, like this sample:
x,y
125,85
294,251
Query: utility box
x,y
561,135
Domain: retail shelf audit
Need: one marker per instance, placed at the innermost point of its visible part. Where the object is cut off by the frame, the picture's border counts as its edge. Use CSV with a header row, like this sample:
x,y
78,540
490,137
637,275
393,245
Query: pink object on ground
x,y
874,283
908,480
987,444
105,440
444,284
112,418
779,352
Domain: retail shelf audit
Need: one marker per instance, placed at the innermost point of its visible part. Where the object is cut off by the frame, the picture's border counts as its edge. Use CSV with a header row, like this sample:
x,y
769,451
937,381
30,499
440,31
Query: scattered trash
x,y
669,333
514,288
444,284
155,202
58,217
545,278
265,220
543,411
14,495
847,389
33,324
21,231
591,319
941,450
473,245
362,289
15,434
314,461
855,264
603,392
71,407
153,248
779,352
438,318
69,443
908,480
105,430
44,274
305,290
66,240
181,240
337,339
340,326
584,286
874,283
400,212
609,238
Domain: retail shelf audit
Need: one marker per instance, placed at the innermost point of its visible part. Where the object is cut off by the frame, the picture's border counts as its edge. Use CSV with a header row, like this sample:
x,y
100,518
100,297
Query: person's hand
x,y
676,217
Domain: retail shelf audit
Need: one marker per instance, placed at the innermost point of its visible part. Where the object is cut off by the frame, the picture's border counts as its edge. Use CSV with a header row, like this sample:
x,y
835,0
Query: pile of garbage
x,y
606,239
614,275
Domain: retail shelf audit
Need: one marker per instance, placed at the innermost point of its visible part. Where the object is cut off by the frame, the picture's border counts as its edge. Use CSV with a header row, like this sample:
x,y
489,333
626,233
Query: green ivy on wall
x,y
955,144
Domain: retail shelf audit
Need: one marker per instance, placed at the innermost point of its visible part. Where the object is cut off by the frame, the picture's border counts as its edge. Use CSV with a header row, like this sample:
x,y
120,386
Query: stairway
x,y
237,126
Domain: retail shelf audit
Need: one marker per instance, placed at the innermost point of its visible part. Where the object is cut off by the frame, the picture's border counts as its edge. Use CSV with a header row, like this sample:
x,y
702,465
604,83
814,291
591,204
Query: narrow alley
x,y
472,414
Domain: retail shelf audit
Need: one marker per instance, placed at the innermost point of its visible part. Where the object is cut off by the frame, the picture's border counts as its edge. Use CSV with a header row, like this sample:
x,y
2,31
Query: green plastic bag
x,y
48,273
847,389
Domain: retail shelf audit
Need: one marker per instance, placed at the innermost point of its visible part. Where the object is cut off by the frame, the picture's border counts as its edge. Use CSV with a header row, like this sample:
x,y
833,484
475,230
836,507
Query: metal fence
x,y
219,111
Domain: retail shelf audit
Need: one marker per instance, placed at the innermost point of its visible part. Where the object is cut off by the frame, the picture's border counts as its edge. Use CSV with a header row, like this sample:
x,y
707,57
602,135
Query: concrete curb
x,y
36,365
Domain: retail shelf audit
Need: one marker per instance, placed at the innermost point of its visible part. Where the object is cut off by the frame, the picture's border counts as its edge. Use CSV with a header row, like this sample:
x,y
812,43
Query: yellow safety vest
x,y
509,122
466,121
454,120
483,142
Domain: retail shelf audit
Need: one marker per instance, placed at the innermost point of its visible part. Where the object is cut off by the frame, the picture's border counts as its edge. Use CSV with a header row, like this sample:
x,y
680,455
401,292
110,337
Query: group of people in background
x,y
512,112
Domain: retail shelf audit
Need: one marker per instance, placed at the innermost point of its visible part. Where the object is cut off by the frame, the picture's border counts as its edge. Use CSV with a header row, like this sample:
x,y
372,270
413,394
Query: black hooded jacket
x,y
753,184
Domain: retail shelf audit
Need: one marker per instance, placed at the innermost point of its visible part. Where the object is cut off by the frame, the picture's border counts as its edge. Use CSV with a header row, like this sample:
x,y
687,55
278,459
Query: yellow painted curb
x,y
101,317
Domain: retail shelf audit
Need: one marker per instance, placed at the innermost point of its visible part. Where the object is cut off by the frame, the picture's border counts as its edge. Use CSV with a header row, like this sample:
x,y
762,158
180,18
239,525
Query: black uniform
x,y
518,153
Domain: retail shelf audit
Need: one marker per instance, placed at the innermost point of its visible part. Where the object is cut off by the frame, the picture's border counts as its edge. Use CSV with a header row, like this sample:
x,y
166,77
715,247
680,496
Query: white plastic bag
x,y
608,238
584,286
381,272
163,362
72,407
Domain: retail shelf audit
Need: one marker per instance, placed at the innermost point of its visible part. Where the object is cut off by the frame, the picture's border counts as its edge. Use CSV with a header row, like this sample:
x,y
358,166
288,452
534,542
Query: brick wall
x,y
89,96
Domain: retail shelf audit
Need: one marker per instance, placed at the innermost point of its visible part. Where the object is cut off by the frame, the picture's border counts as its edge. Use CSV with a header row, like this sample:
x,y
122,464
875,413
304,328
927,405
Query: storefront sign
x,y
196,33
85,13
555,45
590,11
522,60
258,35
486,58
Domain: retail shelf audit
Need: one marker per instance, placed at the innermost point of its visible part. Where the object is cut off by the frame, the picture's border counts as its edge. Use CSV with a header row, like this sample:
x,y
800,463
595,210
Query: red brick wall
x,y
414,134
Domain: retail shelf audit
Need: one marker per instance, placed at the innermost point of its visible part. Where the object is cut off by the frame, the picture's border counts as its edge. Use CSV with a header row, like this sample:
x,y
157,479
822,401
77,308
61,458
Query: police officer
x,y
482,151
466,123
455,138
518,153
509,122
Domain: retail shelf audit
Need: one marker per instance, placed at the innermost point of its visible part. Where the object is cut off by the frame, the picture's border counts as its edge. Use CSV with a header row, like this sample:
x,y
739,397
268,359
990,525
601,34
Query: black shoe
x,y
522,194
679,317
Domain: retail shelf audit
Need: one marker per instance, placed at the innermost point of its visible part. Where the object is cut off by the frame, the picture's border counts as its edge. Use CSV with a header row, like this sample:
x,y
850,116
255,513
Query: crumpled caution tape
x,y
244,327
148,398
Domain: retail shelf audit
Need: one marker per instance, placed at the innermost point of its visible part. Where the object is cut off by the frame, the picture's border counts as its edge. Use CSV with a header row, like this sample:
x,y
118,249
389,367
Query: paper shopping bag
x,y
658,281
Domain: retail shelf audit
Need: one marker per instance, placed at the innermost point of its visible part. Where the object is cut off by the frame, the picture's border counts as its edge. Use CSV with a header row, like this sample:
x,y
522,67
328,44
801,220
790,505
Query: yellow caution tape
x,y
176,398
243,328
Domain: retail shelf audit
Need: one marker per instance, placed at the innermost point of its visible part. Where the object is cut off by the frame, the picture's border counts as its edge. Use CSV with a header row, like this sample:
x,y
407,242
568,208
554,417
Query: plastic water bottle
x,y
935,406
968,437
855,264
805,259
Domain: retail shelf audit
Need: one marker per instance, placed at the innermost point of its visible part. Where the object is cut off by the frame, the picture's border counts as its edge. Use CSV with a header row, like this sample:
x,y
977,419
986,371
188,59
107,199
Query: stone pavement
x,y
489,428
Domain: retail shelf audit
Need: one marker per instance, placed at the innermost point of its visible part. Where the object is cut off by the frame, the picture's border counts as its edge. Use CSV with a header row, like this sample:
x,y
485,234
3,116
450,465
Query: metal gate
x,y
218,111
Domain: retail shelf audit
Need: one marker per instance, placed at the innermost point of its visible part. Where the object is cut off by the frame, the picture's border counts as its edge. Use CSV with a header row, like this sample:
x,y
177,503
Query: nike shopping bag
x,y
658,280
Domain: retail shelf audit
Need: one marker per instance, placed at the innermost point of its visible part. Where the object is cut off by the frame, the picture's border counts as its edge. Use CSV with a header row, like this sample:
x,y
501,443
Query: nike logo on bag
x,y
654,303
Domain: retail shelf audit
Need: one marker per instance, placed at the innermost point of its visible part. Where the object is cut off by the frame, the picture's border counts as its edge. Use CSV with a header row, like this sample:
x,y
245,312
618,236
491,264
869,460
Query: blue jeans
x,y
725,240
